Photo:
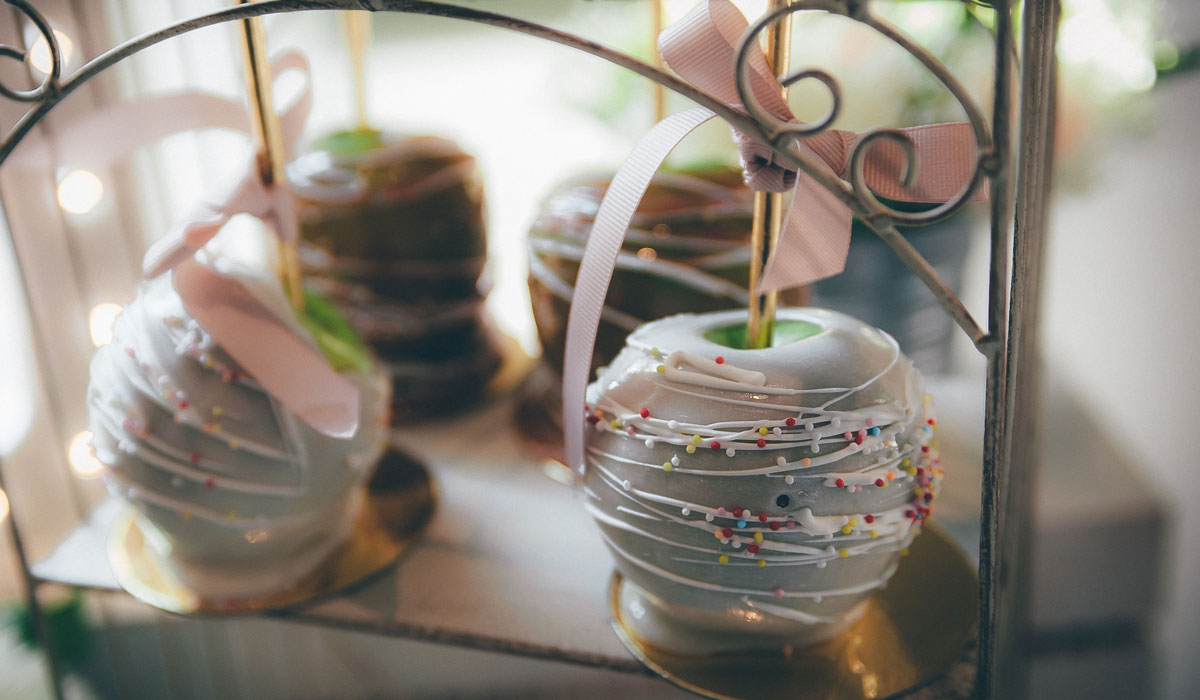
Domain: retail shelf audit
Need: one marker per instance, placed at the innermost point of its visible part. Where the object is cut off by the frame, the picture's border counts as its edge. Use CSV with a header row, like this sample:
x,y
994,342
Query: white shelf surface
x,y
511,562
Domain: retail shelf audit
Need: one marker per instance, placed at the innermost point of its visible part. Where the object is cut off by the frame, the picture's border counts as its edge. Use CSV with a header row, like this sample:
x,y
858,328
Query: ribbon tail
x,y
599,258
814,240
269,349
199,225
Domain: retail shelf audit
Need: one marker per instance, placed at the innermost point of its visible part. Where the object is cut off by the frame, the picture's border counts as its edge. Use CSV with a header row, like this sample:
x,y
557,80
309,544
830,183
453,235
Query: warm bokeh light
x,y
100,322
80,455
80,191
39,53
3,505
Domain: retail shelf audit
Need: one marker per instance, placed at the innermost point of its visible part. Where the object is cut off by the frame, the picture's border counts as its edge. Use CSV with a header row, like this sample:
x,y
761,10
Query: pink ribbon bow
x,y
815,237
268,348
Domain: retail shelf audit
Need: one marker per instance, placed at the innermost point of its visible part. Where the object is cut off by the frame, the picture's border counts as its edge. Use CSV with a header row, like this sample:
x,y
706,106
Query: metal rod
x,y
996,401
768,207
358,37
1033,192
269,139
29,586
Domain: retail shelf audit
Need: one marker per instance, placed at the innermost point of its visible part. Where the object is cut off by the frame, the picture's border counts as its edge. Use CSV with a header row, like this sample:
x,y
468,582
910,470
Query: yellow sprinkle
x,y
760,563
874,533
762,430
905,462
208,363
231,515
917,490
724,558
853,522
667,466
655,351
234,444
614,423
885,485
933,444
846,529
904,552
696,439
758,537
661,369
218,411
691,449
806,462
911,471
845,553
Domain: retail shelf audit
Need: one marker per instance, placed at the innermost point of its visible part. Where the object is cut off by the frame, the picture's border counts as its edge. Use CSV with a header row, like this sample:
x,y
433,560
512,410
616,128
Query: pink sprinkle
x,y
721,510
194,457
778,592
870,423
629,429
848,435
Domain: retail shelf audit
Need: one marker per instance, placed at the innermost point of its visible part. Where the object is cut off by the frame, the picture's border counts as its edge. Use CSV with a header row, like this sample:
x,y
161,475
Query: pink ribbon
x,y
815,238
267,347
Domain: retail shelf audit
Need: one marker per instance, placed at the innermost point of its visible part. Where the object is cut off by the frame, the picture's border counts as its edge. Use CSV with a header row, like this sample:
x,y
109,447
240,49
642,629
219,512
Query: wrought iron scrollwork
x,y
992,141
49,84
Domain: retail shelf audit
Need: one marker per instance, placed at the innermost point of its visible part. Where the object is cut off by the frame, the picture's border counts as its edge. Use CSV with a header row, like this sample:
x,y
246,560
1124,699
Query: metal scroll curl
x,y
49,82
881,218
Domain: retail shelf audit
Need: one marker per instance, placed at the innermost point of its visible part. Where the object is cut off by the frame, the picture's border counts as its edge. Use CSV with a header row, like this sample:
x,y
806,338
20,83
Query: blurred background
x,y
1116,602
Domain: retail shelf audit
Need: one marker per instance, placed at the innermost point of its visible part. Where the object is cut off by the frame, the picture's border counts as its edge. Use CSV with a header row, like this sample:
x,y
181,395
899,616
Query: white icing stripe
x,y
787,613
689,368
706,585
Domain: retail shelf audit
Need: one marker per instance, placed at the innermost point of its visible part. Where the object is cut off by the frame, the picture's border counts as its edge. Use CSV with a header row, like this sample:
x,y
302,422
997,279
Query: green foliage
x,y
67,625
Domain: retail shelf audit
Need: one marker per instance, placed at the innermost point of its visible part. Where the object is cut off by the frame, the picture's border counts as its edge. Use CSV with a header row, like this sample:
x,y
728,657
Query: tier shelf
x,y
511,561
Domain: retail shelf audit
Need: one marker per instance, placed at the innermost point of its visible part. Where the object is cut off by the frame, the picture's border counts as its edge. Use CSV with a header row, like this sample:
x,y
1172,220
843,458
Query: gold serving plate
x,y
911,633
399,503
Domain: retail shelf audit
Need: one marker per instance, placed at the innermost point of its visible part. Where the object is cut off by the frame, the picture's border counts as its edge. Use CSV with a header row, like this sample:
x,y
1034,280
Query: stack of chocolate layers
x,y
393,232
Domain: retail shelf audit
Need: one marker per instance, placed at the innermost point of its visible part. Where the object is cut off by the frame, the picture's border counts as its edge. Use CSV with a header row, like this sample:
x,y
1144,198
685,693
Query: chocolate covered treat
x,y
393,232
235,494
754,499
687,250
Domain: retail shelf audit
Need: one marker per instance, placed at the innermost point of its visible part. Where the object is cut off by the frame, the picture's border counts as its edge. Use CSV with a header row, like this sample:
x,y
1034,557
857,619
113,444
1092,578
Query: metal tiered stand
x,y
1015,157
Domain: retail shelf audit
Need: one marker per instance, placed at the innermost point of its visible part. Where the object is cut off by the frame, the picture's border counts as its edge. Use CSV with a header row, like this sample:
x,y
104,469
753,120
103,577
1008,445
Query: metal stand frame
x,y
1007,342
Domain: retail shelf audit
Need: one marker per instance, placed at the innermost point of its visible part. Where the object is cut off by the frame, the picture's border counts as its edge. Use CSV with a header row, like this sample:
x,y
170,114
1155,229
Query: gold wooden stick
x,y
660,91
768,207
269,140
358,36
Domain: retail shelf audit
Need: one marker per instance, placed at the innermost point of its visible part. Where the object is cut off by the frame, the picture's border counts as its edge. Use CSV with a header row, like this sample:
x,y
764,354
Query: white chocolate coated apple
x,y
755,498
240,496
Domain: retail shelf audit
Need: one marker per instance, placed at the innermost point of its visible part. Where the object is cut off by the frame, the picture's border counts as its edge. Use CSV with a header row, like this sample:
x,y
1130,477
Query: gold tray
x,y
911,633
399,503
